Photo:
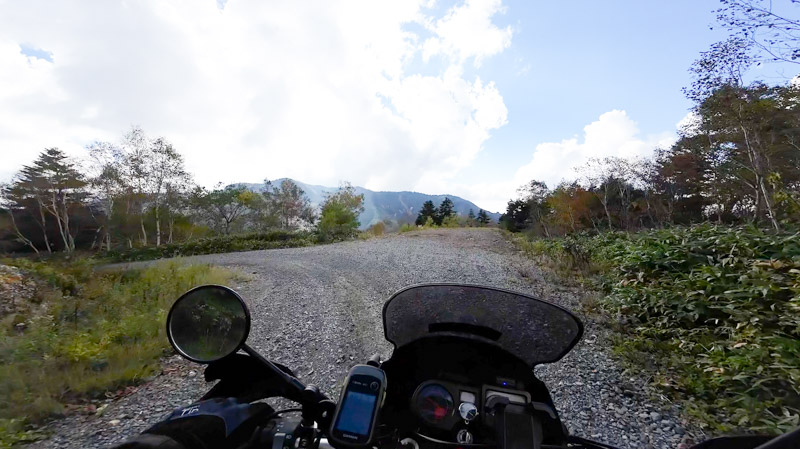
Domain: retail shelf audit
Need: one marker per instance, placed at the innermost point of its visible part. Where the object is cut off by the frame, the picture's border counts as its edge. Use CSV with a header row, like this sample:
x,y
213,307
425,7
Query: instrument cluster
x,y
447,406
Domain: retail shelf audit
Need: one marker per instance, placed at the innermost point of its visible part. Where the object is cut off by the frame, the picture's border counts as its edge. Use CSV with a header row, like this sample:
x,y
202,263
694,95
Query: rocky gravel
x,y
16,290
318,310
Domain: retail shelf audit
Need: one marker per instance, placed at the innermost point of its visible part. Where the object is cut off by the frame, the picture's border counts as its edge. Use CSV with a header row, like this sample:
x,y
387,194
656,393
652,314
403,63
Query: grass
x,y
217,244
86,333
711,313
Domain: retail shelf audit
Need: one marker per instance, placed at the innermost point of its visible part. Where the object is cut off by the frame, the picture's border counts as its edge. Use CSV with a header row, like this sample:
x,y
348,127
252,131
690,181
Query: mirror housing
x,y
208,323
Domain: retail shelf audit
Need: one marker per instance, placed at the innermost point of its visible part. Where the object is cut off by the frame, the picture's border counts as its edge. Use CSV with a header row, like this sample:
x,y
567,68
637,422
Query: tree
x,y
53,186
471,220
10,201
536,208
748,126
759,23
445,211
428,211
725,63
107,181
571,208
225,206
165,176
483,218
290,203
177,202
602,177
136,149
339,216
644,175
727,107
517,216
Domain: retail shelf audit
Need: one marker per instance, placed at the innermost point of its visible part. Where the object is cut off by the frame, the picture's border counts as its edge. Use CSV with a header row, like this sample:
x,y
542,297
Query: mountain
x,y
401,207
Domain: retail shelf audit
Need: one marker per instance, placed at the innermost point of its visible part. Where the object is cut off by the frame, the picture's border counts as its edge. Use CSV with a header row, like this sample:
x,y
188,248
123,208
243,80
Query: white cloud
x,y
613,134
320,91
467,32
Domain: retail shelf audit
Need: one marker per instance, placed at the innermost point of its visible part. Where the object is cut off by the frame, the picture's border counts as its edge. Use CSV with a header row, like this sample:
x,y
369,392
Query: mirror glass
x,y
208,323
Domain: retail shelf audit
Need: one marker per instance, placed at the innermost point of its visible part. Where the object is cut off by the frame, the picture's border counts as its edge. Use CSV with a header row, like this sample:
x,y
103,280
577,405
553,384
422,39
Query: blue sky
x,y
592,57
471,97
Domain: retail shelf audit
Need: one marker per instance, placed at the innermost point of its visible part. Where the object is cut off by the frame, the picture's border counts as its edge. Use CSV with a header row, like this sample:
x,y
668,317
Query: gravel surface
x,y
318,310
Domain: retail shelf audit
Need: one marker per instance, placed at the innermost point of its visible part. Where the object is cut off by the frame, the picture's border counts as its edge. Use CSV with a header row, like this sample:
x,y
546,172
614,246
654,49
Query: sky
x,y
472,98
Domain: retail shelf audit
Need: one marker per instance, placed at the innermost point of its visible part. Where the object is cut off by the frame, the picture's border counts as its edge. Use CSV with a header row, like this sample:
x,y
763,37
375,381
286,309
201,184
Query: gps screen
x,y
356,413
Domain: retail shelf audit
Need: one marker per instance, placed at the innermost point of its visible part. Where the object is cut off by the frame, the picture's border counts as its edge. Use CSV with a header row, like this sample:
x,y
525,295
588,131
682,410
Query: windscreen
x,y
534,331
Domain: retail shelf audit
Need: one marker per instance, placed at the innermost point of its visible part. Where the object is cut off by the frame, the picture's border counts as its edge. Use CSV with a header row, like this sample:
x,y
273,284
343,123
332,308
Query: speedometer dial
x,y
434,403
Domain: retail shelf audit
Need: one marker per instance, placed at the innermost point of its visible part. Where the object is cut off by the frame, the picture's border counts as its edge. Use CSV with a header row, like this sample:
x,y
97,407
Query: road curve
x,y
318,311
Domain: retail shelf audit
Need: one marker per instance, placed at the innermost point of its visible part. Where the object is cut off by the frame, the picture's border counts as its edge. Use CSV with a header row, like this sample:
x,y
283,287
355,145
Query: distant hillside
x,y
401,207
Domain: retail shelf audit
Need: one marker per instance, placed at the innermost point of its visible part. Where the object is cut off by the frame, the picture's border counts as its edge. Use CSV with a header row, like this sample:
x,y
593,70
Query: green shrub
x,y
92,332
452,221
714,310
219,244
407,227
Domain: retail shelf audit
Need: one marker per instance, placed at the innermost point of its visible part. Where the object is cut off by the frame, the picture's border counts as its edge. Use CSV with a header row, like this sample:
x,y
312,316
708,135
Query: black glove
x,y
212,424
246,379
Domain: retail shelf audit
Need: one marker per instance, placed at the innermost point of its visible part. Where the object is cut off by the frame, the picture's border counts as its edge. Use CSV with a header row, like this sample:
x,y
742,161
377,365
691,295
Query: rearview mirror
x,y
208,323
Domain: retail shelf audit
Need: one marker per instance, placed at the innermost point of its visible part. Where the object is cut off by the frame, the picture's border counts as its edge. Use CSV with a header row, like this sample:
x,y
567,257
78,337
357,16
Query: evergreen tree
x,y
51,186
428,211
445,211
483,217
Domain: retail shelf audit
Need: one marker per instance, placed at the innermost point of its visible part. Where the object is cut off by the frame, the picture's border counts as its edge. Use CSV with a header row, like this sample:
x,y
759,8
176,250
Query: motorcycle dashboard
x,y
437,402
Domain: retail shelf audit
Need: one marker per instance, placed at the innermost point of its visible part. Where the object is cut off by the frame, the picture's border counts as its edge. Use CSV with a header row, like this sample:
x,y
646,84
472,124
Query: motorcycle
x,y
460,376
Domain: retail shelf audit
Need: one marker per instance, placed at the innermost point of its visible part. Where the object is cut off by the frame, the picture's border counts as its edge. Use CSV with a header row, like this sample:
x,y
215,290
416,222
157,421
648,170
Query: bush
x,y
214,245
715,309
451,221
377,229
407,227
92,332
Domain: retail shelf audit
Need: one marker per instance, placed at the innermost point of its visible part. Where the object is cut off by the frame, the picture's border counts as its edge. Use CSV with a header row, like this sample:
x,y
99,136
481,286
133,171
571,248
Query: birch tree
x,y
107,180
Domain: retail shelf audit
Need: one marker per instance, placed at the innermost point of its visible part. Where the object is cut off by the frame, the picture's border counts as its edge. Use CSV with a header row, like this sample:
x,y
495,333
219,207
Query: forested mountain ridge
x,y
401,207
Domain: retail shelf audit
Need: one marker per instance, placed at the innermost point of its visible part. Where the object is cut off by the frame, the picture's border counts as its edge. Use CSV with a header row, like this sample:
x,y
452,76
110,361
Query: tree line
x,y
138,193
445,215
738,160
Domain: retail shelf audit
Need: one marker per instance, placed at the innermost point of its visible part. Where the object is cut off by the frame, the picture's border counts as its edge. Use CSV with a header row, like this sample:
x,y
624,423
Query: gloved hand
x,y
211,424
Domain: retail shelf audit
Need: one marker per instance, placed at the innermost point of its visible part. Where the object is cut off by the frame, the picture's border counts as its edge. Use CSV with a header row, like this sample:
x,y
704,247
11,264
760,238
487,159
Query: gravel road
x,y
318,310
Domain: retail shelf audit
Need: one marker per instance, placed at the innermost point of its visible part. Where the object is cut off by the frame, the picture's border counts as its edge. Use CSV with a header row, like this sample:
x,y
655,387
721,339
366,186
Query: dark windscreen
x,y
532,330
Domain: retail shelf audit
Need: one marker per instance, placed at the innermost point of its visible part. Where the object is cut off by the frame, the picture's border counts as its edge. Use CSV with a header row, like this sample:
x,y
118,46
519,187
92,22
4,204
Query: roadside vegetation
x,y
695,252
216,244
69,334
710,313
